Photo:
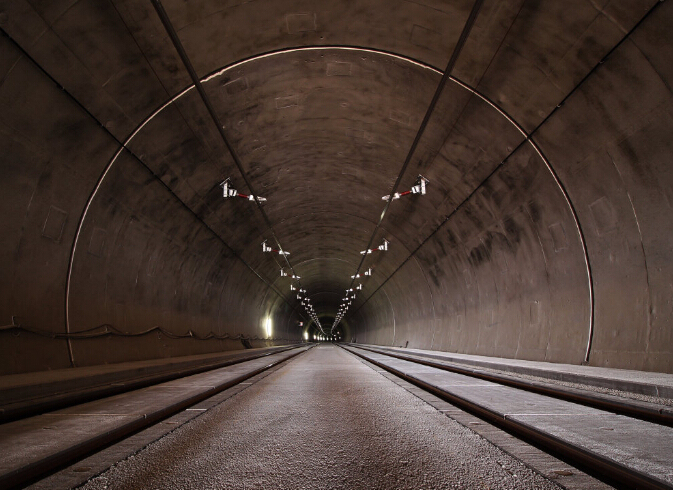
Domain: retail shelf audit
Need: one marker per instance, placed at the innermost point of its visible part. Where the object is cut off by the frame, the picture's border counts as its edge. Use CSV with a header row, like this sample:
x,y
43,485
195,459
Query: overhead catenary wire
x,y
172,34
469,23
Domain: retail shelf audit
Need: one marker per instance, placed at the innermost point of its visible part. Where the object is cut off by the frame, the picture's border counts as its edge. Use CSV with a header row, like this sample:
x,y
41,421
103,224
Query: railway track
x,y
39,445
624,443
659,414
525,410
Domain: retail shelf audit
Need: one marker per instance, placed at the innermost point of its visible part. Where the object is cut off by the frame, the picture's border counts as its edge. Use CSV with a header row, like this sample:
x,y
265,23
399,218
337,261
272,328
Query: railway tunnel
x,y
194,178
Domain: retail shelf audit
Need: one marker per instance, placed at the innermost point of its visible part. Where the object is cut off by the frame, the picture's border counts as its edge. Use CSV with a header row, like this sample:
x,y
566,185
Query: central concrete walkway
x,y
324,420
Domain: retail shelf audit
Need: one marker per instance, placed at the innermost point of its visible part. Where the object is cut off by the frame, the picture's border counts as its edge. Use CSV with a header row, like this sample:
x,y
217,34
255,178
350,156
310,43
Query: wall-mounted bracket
x,y
229,191
266,248
418,188
383,248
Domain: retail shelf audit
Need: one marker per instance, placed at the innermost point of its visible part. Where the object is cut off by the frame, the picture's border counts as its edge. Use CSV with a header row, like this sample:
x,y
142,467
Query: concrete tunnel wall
x,y
546,233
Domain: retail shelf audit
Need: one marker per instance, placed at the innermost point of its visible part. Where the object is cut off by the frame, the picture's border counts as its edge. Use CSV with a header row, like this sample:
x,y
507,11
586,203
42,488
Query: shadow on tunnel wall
x,y
563,260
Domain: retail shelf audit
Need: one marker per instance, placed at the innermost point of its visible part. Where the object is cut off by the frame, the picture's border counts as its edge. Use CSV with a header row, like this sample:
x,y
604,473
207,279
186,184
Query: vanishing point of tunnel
x,y
187,178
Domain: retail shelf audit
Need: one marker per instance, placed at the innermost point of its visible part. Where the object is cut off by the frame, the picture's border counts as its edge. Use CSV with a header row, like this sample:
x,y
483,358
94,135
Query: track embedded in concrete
x,y
632,408
24,399
323,421
623,451
37,446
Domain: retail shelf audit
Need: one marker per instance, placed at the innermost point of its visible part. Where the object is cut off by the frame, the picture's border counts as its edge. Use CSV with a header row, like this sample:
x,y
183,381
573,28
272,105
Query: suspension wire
x,y
469,23
172,34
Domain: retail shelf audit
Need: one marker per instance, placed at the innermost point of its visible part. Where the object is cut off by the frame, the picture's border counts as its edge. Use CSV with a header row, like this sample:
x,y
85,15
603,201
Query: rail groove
x,y
601,467
36,470
632,408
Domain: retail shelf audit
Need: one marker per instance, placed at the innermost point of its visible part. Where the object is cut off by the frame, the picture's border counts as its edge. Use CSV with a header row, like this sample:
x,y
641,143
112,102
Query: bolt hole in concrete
x,y
322,421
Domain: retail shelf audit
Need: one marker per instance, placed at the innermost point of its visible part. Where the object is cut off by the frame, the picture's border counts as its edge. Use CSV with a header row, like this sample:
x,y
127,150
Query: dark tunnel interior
x,y
543,231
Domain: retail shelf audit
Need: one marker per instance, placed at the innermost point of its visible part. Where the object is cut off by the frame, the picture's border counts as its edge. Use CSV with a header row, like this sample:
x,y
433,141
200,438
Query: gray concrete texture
x,y
322,421
32,444
636,445
546,228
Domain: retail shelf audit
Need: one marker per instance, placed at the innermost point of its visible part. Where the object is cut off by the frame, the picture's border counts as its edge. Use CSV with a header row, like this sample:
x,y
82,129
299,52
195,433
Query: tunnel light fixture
x,y
228,191
368,272
383,248
266,248
418,188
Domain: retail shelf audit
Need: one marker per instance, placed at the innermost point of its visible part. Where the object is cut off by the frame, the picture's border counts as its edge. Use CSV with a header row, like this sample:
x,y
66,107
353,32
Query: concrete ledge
x,y
641,382
27,394
624,451
38,445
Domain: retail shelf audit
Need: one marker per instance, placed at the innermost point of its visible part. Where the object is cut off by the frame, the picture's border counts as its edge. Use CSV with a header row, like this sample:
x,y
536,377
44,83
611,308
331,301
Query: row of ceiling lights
x,y
227,192
418,188
421,182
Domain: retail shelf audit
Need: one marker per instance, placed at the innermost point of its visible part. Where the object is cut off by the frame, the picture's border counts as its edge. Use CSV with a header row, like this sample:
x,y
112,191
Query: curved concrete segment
x,y
545,233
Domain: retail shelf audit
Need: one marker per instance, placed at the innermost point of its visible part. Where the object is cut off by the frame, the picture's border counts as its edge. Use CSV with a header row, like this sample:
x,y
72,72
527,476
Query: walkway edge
x,y
596,464
37,469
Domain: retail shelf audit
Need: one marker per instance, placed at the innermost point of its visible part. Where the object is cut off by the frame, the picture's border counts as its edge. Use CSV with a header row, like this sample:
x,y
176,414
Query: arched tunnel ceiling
x,y
322,103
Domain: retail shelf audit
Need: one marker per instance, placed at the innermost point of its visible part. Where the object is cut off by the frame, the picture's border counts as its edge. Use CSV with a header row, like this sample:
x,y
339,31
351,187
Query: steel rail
x,y
46,466
63,398
592,463
632,408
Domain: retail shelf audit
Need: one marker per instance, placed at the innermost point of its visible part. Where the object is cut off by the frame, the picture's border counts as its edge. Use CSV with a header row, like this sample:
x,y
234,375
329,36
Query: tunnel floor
x,y
324,420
